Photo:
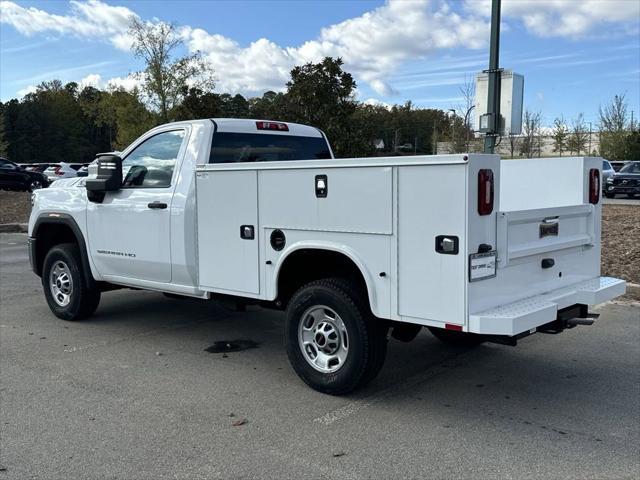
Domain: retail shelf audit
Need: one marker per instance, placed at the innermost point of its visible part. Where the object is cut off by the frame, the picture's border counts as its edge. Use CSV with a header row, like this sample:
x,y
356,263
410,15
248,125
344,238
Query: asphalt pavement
x,y
132,394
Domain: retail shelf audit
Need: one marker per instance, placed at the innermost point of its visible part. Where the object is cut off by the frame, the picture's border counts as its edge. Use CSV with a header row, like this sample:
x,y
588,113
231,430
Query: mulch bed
x,y
15,207
621,242
620,233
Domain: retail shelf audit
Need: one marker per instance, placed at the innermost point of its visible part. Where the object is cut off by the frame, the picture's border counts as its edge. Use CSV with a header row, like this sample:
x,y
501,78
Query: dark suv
x,y
627,180
15,177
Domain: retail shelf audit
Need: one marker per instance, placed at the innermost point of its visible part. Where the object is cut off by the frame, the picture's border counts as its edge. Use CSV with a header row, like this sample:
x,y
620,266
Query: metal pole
x,y
493,104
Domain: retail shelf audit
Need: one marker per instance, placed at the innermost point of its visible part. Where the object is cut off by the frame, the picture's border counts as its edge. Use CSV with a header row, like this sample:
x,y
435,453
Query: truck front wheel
x,y
65,286
333,342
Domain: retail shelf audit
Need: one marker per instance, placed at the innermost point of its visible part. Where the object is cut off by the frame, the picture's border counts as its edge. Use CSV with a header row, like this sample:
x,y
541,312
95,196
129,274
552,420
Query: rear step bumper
x,y
532,312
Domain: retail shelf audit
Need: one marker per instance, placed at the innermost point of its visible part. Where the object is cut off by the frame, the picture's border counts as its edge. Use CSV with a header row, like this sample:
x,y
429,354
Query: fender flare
x,y
332,247
68,221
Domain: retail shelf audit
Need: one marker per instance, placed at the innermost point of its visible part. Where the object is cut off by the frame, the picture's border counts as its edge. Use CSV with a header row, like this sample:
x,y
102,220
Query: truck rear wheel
x,y
461,339
333,342
64,284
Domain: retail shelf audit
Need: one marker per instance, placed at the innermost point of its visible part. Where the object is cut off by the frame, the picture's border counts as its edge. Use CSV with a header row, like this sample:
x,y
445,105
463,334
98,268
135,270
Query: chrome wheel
x,y
61,283
35,185
323,339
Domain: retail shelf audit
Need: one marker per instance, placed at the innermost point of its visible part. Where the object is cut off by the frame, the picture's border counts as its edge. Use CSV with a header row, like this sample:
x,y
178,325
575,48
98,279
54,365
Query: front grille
x,y
625,182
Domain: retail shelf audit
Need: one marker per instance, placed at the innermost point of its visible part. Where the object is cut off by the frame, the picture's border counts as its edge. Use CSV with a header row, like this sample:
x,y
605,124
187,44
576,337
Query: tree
x,y
164,77
322,95
130,115
468,92
531,124
513,145
579,136
4,144
560,135
615,128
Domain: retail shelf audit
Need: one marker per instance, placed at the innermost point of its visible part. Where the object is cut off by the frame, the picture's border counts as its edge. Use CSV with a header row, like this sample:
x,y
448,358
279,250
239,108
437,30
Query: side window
x,y
5,165
152,162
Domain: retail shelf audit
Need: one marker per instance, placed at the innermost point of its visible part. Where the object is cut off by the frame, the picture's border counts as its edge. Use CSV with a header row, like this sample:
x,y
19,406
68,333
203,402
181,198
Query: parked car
x,y
627,180
36,167
607,172
15,177
56,171
617,165
83,171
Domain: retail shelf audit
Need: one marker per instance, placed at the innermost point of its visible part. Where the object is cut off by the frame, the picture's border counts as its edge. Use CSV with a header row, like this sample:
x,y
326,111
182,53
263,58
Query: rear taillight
x,y
485,191
57,171
594,186
281,127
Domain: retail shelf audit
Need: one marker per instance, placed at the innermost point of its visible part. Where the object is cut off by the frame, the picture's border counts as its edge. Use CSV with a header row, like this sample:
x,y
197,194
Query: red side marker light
x,y
485,191
450,326
594,186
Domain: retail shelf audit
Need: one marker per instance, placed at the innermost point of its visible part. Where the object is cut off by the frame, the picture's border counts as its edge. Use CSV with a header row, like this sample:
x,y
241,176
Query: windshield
x,y
633,167
256,147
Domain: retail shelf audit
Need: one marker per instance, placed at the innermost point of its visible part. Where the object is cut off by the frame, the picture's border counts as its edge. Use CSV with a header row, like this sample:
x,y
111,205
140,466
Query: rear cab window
x,y
231,147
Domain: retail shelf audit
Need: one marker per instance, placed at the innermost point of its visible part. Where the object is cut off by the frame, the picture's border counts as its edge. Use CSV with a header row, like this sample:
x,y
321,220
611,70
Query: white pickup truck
x,y
474,248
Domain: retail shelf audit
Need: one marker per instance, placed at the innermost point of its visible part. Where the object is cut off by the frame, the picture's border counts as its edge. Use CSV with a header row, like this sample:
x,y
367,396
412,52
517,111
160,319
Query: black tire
x,y
460,339
366,336
82,301
35,185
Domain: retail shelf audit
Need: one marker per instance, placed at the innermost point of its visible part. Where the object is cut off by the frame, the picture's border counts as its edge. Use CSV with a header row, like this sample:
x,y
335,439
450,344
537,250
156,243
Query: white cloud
x,y
92,80
373,45
26,90
95,80
565,18
377,103
91,19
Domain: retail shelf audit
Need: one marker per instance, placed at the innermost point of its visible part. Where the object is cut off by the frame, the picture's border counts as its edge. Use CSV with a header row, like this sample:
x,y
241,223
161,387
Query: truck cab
x,y
258,211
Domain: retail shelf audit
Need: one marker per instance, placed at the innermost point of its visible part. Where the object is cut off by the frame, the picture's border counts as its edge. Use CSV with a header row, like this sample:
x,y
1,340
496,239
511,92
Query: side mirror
x,y
108,179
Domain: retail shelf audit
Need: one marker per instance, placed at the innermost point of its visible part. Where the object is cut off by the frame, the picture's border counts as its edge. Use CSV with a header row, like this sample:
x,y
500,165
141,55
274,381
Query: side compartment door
x,y
129,232
228,231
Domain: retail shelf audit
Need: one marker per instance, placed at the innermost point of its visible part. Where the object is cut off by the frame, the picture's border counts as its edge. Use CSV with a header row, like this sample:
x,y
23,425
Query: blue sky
x,y
575,55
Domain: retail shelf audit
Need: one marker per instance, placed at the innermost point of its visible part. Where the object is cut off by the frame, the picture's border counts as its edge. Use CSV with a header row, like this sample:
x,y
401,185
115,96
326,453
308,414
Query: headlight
x,y
33,199
609,180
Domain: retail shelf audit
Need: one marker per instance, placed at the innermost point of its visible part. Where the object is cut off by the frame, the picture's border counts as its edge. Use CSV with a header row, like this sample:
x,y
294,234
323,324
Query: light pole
x,y
466,124
493,103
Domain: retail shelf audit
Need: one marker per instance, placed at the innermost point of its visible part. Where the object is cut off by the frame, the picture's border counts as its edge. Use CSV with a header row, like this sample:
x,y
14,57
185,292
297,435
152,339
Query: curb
x,y
633,289
13,227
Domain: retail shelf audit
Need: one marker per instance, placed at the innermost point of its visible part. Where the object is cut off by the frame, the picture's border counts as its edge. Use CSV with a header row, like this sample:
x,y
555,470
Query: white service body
x,y
383,214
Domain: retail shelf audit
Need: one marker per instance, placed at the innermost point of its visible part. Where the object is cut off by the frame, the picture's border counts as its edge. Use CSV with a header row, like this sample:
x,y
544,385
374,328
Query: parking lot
x,y
132,393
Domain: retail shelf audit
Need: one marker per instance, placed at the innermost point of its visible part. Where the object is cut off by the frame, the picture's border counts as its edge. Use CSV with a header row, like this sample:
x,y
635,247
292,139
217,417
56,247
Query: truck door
x,y
129,232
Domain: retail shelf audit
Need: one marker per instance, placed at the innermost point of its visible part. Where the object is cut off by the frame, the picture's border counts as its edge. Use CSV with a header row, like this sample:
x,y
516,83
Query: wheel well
x,y
48,236
305,265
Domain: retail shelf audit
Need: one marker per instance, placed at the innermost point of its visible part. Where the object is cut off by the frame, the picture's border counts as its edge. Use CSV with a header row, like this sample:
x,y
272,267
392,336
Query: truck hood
x,y
68,182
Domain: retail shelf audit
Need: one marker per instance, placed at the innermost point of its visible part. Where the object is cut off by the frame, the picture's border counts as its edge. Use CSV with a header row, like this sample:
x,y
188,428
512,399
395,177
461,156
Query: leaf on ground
x,y
238,423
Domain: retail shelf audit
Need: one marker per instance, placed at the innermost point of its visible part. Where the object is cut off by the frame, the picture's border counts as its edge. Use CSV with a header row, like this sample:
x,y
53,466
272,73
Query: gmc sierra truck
x,y
474,248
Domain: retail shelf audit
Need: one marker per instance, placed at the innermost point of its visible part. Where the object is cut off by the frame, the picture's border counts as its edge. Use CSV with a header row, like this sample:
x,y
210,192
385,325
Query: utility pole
x,y
493,104
589,152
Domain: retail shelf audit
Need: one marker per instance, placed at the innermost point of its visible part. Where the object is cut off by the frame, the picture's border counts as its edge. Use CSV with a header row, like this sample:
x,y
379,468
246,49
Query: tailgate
x,y
524,234
538,251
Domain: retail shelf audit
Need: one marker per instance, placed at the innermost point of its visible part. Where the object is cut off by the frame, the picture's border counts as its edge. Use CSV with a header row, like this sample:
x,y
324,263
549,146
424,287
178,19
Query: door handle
x,y
157,205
